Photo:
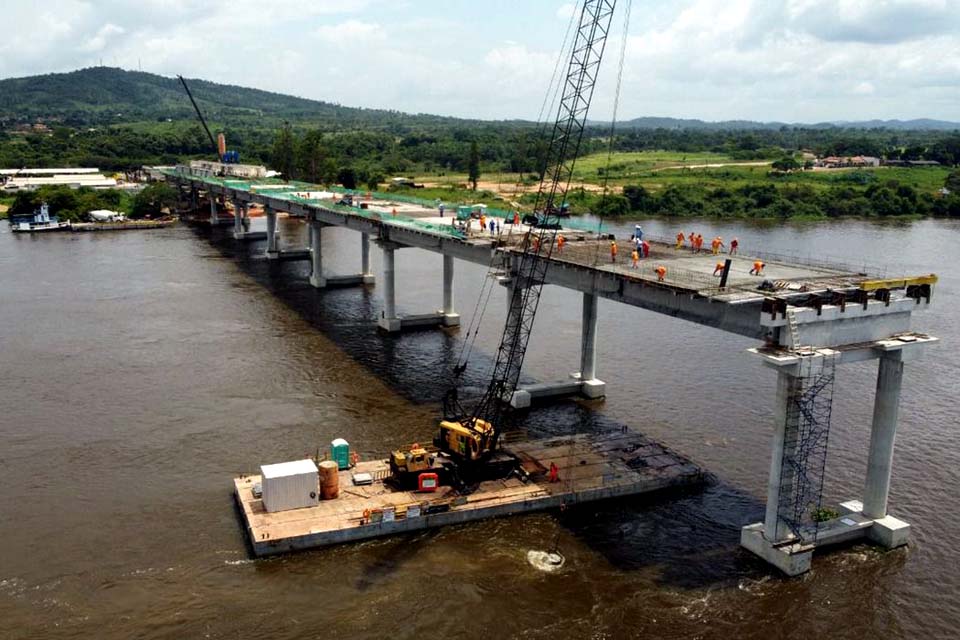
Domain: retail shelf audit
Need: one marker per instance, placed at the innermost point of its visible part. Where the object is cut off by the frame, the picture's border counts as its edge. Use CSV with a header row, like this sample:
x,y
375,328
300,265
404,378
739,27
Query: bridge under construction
x,y
808,316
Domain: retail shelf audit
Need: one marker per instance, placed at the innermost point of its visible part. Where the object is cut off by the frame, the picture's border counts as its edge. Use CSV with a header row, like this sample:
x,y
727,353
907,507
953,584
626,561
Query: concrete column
x,y
450,317
784,429
388,319
245,219
272,250
366,276
214,218
886,406
193,200
588,337
237,219
590,386
316,255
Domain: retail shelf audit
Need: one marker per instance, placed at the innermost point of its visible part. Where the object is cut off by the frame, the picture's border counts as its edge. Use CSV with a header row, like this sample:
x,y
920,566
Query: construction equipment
x,y
220,144
471,439
409,464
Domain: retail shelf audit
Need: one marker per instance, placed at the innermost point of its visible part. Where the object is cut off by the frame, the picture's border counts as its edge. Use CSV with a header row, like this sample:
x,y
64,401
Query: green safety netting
x,y
288,190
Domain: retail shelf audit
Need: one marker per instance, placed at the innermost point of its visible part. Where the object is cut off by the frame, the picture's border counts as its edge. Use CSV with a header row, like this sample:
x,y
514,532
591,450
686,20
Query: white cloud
x,y
99,41
351,32
794,60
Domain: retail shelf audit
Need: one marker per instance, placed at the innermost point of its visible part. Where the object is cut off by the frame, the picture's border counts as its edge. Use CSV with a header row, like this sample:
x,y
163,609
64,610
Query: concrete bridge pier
x,y
450,317
238,215
214,217
317,277
273,251
583,382
773,540
392,322
368,277
316,255
886,531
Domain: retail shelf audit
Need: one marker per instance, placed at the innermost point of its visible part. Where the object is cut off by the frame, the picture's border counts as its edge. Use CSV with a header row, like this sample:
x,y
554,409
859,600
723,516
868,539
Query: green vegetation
x,y
152,200
70,204
119,120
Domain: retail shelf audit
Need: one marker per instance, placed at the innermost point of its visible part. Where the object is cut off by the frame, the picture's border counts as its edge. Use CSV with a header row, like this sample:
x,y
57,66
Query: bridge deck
x,y
689,289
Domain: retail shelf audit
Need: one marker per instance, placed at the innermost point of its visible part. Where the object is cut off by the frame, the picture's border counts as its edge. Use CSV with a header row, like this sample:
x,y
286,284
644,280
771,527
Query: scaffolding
x,y
806,435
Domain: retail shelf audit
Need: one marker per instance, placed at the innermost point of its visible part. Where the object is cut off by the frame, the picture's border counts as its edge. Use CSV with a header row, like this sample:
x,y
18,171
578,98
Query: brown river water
x,y
143,370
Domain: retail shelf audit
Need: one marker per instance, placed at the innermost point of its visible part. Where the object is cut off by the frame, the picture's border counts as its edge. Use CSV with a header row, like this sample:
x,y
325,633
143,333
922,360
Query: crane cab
x,y
466,442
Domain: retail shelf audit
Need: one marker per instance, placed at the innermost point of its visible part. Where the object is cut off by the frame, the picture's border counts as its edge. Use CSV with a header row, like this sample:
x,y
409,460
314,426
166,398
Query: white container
x,y
290,485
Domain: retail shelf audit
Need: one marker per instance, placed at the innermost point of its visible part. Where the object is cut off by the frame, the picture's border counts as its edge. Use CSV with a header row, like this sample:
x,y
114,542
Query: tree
x,y
347,177
311,158
374,180
153,199
612,205
283,151
952,183
473,165
787,163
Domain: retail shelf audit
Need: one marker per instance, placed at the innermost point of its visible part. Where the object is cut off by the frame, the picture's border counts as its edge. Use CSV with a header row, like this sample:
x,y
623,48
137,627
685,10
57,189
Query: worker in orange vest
x,y
661,272
757,268
699,242
535,242
716,244
718,269
613,251
733,246
636,259
516,218
560,242
680,240
693,241
483,222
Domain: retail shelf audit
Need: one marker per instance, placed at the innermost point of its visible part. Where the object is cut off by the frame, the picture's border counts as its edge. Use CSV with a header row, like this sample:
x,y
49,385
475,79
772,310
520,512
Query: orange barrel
x,y
329,479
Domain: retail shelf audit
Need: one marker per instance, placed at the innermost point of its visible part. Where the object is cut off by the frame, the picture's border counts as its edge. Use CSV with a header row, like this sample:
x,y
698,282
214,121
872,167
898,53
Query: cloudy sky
x,y
788,60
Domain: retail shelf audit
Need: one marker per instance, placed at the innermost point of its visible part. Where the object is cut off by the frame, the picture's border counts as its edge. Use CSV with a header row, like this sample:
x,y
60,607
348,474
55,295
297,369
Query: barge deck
x,y
591,467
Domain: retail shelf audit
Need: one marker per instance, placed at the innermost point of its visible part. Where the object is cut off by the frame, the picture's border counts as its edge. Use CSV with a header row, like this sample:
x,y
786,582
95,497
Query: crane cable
x,y
555,548
486,289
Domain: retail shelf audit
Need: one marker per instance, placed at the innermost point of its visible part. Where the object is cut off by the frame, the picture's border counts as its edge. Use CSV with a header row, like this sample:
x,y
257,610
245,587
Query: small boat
x,y
37,221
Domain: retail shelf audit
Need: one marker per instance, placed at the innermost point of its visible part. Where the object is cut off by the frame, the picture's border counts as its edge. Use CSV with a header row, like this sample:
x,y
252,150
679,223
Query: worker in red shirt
x,y
560,242
644,249
733,246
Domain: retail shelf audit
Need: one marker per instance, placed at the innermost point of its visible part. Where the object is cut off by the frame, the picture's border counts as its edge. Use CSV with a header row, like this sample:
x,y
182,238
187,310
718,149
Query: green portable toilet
x,y
340,453
463,212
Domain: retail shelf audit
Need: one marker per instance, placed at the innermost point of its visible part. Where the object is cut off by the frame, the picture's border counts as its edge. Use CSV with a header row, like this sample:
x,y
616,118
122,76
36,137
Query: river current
x,y
143,370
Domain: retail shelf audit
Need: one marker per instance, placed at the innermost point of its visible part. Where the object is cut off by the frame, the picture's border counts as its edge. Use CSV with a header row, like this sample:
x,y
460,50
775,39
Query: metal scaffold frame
x,y
806,435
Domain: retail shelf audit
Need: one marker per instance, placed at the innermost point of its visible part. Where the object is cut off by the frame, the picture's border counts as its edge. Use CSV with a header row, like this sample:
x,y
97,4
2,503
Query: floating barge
x,y
126,225
591,467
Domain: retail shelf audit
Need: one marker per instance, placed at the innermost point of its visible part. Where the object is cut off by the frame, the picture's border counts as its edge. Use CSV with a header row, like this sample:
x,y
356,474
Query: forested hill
x,y
104,95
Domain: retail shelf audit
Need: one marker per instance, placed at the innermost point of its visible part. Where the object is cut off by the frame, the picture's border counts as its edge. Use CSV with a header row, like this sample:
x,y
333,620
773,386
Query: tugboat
x,y
38,221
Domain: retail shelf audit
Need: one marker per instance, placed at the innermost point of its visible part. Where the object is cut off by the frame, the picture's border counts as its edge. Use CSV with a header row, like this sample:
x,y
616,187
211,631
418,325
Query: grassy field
x,y
656,170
